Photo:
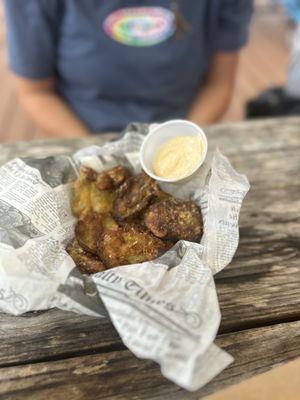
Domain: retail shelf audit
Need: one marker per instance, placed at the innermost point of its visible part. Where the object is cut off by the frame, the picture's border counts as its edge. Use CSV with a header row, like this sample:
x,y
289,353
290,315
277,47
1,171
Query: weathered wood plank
x,y
260,299
53,334
251,147
261,286
119,375
269,231
275,169
255,136
271,170
238,138
262,283
45,148
268,294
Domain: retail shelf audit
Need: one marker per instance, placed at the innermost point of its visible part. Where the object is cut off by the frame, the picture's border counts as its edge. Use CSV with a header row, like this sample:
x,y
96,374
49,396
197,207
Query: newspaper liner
x,y
165,310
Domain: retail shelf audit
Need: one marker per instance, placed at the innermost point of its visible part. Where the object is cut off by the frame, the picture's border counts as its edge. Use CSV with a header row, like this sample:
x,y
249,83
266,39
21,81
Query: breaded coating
x,y
87,174
139,218
129,245
81,198
88,197
175,219
86,262
90,227
88,231
108,222
160,196
126,219
134,195
112,178
101,200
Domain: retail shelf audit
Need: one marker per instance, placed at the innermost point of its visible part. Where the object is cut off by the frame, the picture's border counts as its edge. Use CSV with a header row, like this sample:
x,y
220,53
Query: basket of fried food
x,y
126,219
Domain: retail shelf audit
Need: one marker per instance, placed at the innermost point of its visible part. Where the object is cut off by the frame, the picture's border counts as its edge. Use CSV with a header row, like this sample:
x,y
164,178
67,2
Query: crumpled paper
x,y
165,310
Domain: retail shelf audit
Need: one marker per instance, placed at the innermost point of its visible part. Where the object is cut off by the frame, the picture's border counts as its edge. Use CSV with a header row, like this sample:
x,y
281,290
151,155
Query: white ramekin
x,y
161,133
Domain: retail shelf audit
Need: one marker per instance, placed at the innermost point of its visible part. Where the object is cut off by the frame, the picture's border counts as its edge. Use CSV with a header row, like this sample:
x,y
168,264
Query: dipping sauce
x,y
177,157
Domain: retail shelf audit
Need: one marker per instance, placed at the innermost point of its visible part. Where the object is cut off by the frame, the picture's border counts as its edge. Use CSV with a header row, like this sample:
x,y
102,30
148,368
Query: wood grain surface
x,y
120,375
67,356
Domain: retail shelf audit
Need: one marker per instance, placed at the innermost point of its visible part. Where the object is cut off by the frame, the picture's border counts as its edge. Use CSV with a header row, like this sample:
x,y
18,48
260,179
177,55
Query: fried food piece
x,y
109,223
101,200
139,218
112,178
87,174
86,262
175,219
81,199
88,231
88,197
160,196
129,245
90,227
95,191
134,195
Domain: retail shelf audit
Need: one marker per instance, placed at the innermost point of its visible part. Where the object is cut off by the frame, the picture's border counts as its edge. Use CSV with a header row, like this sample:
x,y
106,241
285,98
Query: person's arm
x,y
33,29
214,96
230,34
49,111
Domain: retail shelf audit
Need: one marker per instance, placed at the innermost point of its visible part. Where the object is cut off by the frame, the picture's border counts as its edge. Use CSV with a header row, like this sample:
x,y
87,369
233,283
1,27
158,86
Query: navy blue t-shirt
x,y
119,61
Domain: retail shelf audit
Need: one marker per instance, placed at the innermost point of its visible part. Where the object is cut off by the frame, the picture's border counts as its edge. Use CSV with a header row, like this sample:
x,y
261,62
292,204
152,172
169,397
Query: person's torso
x,y
120,60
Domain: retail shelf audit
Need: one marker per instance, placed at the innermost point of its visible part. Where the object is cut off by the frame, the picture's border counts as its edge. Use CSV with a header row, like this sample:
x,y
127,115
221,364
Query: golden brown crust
x,y
175,219
101,200
87,174
161,196
126,219
134,195
88,231
112,178
129,245
81,199
86,262
96,191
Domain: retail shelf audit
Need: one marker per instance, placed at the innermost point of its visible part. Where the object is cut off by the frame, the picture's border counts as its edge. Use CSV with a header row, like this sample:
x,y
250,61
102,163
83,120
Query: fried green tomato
x,y
112,178
87,174
134,195
175,219
129,245
89,229
81,198
86,262
95,191
161,196
101,200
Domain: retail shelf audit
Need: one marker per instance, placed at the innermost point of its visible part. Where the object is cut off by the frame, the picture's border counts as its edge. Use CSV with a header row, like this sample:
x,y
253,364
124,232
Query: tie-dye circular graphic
x,y
140,26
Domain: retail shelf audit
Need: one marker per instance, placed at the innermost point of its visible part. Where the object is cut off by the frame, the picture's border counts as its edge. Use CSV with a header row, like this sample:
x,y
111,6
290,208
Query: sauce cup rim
x,y
154,131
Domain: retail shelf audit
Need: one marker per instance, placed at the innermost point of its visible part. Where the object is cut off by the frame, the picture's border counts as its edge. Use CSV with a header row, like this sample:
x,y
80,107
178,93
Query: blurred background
x,y
262,64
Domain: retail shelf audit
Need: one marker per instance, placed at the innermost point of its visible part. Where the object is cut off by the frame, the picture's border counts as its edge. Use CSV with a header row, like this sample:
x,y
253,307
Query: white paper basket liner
x,y
165,310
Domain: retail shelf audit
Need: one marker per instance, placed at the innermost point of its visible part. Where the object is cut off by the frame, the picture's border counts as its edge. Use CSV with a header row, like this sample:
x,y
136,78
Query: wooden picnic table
x,y
61,355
